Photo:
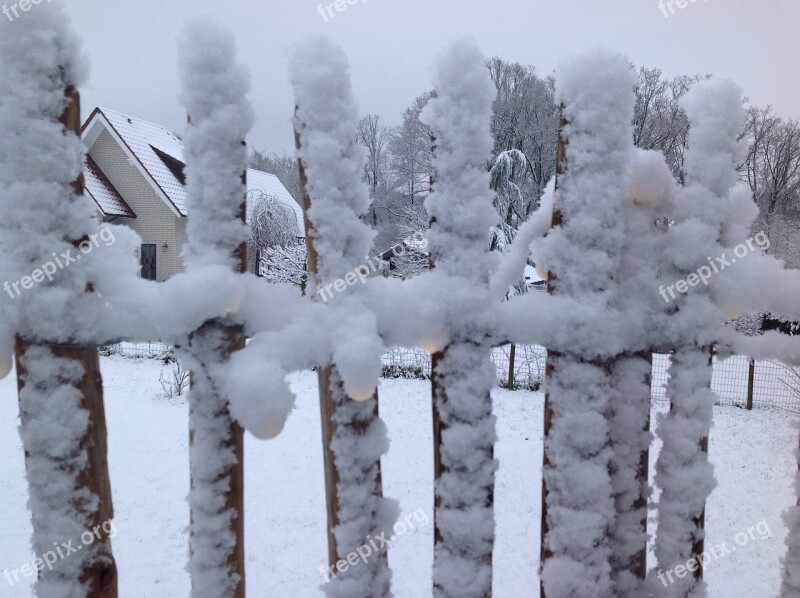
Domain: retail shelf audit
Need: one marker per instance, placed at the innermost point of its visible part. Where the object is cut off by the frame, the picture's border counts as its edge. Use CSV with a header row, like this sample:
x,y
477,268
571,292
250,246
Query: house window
x,y
149,262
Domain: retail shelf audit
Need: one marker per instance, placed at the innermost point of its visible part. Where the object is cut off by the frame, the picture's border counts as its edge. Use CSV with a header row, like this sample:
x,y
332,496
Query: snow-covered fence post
x,y
60,388
220,116
700,213
556,221
583,252
335,201
460,206
791,563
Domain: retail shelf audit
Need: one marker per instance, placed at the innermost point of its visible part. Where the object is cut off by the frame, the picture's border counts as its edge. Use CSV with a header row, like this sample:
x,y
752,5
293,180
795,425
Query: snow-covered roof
x,y
144,141
142,138
270,185
100,189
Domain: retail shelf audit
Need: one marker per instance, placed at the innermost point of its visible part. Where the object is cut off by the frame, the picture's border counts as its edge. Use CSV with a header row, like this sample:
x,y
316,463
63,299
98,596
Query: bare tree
x,y
374,135
659,122
772,168
411,153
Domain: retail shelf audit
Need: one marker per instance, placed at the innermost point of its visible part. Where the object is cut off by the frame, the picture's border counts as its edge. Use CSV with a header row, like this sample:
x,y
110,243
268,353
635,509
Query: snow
x,y
214,93
325,123
326,120
141,137
583,478
684,474
53,427
285,534
269,185
460,207
220,116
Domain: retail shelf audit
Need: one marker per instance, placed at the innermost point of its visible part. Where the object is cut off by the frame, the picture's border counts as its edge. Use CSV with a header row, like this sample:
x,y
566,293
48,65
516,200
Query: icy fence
x,y
737,380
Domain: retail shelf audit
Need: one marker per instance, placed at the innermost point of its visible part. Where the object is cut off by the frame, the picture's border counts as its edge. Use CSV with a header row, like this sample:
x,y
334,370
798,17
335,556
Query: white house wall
x,y
155,223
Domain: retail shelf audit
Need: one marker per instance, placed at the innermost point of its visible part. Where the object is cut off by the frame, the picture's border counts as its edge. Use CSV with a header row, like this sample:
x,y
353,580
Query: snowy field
x,y
752,454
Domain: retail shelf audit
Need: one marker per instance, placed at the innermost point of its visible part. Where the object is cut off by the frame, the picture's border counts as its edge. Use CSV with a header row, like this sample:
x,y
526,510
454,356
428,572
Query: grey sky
x,y
132,46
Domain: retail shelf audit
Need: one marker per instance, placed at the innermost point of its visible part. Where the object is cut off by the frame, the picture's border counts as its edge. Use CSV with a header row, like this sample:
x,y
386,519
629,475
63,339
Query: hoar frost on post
x,y
583,254
56,322
460,206
354,436
692,326
214,93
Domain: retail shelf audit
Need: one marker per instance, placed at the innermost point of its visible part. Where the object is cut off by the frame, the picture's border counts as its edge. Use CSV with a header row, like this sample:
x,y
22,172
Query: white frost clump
x,y
791,564
43,219
326,118
461,207
691,325
584,255
326,123
54,424
214,92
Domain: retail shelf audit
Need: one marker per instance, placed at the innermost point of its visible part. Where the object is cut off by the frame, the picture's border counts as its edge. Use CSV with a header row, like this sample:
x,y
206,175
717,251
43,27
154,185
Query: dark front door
x,y
149,262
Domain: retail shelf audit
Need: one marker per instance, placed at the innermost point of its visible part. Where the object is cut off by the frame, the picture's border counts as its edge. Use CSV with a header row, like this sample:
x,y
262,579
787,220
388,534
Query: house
x,y
134,173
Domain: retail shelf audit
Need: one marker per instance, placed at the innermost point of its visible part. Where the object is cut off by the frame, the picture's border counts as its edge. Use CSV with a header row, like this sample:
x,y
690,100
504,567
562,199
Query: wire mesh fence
x,y
737,380
741,382
140,350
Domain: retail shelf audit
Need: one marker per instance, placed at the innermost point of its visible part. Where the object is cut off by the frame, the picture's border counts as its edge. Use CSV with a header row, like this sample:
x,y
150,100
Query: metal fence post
x,y
512,356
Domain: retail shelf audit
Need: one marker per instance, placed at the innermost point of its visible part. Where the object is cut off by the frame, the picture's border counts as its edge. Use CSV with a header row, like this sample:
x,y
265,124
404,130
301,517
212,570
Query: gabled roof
x,y
100,189
139,138
158,155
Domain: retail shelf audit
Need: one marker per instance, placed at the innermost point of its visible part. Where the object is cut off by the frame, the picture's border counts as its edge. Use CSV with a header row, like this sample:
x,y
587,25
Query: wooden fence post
x,y
544,553
751,381
100,574
332,397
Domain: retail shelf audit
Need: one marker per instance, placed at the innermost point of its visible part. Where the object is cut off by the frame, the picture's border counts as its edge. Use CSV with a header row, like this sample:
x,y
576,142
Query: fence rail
x,y
737,380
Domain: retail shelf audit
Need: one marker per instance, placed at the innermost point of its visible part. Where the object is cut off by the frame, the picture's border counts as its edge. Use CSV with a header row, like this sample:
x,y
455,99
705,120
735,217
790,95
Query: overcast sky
x,y
132,46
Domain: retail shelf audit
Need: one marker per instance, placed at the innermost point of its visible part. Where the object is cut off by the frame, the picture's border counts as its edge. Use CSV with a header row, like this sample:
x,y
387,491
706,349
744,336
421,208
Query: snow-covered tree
x,y
525,118
508,169
285,264
275,242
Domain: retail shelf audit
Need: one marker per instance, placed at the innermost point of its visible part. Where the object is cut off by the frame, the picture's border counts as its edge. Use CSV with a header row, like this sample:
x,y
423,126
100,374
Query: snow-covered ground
x,y
752,454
